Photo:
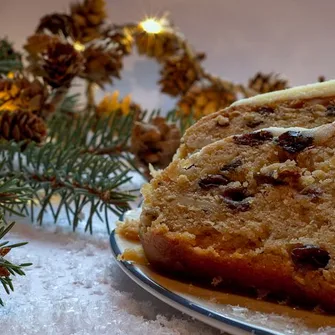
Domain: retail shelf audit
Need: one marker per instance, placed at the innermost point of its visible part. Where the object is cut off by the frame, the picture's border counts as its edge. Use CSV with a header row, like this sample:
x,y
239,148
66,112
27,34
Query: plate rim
x,y
174,299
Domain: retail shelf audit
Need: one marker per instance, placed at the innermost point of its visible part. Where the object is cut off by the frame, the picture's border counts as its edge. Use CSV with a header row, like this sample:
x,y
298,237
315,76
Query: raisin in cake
x,y
255,209
306,106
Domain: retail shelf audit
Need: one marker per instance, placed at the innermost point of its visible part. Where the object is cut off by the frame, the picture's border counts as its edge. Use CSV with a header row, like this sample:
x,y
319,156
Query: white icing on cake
x,y
320,134
318,90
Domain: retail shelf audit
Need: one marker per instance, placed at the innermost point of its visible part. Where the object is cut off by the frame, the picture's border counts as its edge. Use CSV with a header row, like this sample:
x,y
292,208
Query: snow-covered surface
x,y
76,287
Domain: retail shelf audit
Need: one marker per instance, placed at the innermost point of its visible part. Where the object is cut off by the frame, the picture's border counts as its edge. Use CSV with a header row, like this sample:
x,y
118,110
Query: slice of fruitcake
x,y
256,210
306,106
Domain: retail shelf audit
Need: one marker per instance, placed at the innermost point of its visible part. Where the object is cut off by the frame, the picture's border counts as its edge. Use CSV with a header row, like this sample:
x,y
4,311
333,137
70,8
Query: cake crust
x,y
170,255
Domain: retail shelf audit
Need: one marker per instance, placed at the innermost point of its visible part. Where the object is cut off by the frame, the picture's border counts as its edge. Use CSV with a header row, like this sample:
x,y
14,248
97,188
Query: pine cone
x,y
264,83
58,23
20,93
61,63
155,142
22,125
101,65
178,75
119,39
204,101
88,18
38,43
159,46
4,272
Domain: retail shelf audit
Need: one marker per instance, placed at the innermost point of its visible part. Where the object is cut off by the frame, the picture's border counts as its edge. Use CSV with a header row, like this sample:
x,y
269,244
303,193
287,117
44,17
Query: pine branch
x,y
91,134
8,269
114,150
90,97
77,179
68,105
9,65
57,99
107,136
183,122
11,194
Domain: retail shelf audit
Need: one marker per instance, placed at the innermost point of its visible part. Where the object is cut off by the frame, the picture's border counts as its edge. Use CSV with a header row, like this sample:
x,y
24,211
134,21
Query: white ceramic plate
x,y
238,315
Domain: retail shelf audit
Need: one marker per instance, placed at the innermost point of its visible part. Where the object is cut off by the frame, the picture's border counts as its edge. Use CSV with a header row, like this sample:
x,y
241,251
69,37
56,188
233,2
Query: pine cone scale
x,y
22,126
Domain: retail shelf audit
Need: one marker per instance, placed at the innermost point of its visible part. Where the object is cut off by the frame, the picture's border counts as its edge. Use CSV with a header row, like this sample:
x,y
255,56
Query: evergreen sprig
x,y
11,194
10,60
78,180
7,268
106,135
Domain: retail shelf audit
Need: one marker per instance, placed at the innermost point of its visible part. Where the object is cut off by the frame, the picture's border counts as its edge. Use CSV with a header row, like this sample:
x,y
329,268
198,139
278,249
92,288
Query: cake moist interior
x,y
252,194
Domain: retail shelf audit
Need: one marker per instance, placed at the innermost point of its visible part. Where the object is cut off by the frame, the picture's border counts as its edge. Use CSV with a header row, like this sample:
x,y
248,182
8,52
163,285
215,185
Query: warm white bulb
x,y
79,46
151,26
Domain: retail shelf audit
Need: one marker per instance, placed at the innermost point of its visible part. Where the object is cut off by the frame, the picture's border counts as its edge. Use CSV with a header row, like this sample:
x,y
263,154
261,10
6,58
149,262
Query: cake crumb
x,y
222,120
134,255
128,229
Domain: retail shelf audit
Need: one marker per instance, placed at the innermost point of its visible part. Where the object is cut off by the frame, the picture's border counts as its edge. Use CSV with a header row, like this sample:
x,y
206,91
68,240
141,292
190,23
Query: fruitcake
x,y
254,210
306,106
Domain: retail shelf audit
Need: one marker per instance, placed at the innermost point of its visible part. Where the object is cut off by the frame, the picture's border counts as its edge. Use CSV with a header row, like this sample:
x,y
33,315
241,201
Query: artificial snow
x,y
76,287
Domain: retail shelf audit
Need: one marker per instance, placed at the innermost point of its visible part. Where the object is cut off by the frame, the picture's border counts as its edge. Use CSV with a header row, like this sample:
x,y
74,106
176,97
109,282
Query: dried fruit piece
x,y
312,192
213,180
267,179
232,166
254,123
253,139
310,256
265,110
294,141
330,111
236,198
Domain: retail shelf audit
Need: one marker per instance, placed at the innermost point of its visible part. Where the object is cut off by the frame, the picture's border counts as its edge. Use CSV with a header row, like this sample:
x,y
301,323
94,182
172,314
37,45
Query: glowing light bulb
x,y
10,75
151,26
79,46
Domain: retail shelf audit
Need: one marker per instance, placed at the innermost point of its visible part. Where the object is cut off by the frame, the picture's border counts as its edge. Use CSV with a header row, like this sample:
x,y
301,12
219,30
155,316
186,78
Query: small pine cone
x,y
4,272
155,142
20,93
4,251
61,63
38,43
178,75
119,39
88,18
159,46
22,126
101,65
264,83
204,101
56,24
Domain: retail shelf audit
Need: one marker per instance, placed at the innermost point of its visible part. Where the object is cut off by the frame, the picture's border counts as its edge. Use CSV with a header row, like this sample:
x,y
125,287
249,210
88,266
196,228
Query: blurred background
x,y
240,37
